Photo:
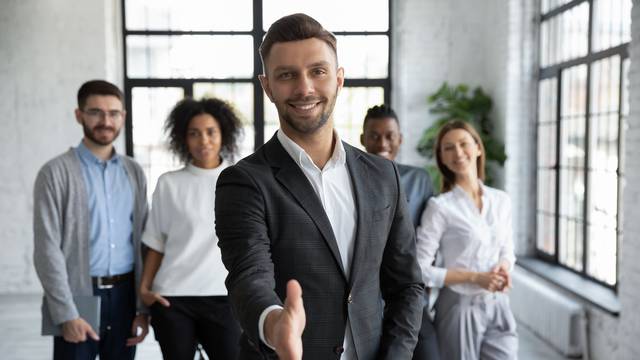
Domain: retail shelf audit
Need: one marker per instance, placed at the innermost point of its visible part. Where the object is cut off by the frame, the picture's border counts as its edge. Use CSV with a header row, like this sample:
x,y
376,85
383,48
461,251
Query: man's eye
x,y
285,76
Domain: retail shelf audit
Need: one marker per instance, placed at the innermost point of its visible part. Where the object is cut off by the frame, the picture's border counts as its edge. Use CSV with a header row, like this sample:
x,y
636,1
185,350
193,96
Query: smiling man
x,y
309,216
89,210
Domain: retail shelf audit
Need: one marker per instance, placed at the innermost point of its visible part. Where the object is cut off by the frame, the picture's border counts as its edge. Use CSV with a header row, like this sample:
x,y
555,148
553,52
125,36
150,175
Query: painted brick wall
x,y
48,50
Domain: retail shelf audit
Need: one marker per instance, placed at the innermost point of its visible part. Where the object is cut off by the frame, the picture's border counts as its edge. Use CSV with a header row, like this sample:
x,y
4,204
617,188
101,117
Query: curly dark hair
x,y
186,109
379,112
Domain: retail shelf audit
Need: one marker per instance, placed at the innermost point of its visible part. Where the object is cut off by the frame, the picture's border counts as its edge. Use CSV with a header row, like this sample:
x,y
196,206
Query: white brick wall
x,y
436,41
629,329
48,50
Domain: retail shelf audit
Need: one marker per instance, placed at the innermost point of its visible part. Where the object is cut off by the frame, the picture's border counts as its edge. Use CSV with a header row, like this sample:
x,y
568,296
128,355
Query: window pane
x,y
548,5
351,107
546,177
240,96
565,36
546,227
547,123
611,23
347,19
150,107
190,56
546,211
364,56
603,178
572,117
189,15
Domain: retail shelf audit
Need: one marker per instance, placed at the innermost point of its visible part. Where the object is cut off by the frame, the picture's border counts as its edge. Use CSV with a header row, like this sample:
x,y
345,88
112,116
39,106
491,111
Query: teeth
x,y
305,107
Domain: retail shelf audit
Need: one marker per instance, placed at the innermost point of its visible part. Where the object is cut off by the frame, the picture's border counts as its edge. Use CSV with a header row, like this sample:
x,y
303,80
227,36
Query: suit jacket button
x,y
338,350
349,299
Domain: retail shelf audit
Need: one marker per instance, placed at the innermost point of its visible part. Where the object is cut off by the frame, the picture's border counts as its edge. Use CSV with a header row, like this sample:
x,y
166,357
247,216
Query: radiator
x,y
554,317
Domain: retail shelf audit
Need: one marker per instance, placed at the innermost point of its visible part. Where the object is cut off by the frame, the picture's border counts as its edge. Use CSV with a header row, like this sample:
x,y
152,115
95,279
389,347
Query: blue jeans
x,y
117,310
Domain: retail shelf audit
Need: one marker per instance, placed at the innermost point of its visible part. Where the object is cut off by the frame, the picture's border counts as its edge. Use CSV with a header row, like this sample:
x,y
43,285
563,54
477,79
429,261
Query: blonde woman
x,y
469,223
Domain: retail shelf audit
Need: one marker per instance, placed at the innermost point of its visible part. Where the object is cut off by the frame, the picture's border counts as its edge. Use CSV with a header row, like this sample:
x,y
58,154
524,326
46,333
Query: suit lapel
x,y
359,173
291,177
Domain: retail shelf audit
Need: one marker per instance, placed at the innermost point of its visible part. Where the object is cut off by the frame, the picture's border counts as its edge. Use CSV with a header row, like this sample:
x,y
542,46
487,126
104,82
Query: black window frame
x,y
555,72
257,34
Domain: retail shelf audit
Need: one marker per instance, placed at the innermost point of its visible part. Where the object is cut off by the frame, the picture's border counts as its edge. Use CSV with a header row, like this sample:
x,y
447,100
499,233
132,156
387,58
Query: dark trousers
x,y
190,320
427,347
117,310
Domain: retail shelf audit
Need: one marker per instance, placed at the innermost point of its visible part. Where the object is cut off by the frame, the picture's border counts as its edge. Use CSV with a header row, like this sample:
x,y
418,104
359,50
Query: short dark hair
x,y
178,121
98,87
379,112
448,179
293,28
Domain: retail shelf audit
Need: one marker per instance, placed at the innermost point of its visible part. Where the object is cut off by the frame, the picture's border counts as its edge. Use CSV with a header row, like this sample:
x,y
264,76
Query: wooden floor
x,y
20,335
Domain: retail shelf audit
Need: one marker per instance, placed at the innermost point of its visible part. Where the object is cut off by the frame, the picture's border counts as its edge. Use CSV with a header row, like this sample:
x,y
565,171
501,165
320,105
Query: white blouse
x,y
181,225
465,237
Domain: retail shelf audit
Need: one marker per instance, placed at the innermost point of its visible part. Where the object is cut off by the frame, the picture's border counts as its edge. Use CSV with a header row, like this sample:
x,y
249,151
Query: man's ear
x,y
78,114
340,75
265,85
401,138
362,139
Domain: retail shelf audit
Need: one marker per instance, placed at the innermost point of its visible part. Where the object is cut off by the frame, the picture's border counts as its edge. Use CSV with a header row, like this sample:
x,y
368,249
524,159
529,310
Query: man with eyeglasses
x,y
89,211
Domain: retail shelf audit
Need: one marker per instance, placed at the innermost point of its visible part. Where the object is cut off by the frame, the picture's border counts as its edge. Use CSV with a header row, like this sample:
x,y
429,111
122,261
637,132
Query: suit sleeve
x,y
401,283
245,247
48,258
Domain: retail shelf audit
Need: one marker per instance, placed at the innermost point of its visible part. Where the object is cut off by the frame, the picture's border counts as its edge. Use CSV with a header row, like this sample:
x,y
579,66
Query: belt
x,y
107,282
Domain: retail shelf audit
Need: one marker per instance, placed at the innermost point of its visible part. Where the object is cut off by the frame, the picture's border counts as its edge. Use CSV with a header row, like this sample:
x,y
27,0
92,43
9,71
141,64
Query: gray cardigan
x,y
61,232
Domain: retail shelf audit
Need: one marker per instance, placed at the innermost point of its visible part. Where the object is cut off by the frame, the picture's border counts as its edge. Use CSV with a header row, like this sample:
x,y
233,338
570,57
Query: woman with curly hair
x,y
469,224
183,277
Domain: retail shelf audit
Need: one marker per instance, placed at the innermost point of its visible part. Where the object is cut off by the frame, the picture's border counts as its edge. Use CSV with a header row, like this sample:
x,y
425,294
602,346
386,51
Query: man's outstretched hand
x,y
283,328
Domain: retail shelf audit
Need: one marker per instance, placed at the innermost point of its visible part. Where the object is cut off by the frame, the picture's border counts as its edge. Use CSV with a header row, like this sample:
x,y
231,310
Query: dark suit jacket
x,y
416,184
272,228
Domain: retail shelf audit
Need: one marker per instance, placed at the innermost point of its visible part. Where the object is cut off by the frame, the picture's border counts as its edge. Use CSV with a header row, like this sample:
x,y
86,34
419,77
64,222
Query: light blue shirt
x,y
111,214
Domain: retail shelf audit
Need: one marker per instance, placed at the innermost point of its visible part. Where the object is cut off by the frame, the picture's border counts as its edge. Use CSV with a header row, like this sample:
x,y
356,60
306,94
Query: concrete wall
x,y
48,49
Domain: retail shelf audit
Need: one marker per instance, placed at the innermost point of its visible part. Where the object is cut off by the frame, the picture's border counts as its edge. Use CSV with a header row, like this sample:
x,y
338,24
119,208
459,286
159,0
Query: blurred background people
x,y
469,223
183,278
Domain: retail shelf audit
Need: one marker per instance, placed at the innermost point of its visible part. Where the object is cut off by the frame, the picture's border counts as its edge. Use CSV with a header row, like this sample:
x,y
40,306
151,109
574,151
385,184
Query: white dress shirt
x,y
465,237
333,186
180,226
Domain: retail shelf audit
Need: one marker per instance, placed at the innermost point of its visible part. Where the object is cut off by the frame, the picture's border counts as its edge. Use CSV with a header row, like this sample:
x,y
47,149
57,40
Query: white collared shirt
x,y
179,226
333,186
465,237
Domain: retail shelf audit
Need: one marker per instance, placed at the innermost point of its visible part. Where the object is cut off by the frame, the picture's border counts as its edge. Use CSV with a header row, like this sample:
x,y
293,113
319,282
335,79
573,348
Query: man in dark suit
x,y
381,136
309,212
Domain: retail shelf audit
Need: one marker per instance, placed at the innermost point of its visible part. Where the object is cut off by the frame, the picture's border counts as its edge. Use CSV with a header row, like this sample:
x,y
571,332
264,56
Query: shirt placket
x,y
107,174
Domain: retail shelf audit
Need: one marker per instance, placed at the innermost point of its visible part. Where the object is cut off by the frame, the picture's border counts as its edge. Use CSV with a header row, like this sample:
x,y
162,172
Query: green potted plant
x,y
456,102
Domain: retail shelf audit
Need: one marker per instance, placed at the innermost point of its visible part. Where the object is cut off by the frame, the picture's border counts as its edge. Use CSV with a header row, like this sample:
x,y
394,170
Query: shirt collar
x,y
89,157
297,153
208,172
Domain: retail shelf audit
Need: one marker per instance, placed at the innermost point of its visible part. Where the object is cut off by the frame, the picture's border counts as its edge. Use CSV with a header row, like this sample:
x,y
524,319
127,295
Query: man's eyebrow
x,y
319,63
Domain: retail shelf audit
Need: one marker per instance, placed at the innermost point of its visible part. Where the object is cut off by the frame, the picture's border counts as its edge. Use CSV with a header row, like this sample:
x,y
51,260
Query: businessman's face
x,y
303,80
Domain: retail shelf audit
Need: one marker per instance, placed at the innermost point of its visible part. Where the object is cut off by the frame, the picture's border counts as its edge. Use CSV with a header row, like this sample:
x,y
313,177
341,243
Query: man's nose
x,y
304,85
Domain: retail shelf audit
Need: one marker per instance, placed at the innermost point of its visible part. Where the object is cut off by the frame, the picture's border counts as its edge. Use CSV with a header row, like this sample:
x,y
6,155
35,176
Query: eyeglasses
x,y
96,114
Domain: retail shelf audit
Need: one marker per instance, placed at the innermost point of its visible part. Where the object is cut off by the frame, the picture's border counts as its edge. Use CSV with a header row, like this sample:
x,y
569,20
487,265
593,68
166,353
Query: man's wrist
x,y
262,323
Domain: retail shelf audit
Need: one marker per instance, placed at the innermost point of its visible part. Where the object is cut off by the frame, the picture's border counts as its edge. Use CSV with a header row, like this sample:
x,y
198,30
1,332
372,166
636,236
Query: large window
x,y
582,106
200,48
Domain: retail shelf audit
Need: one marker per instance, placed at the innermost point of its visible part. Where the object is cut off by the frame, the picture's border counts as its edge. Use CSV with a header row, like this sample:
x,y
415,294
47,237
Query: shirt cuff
x,y
436,277
263,317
